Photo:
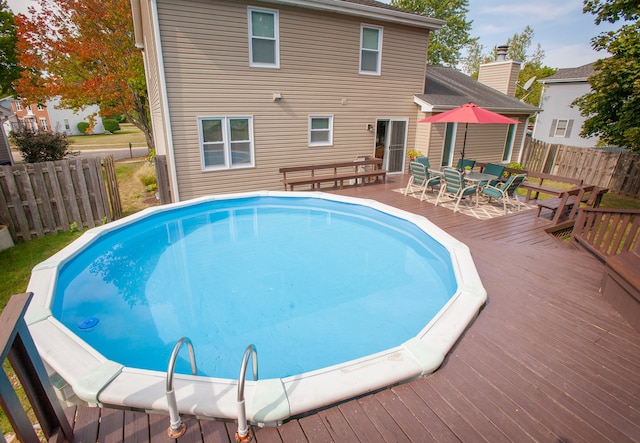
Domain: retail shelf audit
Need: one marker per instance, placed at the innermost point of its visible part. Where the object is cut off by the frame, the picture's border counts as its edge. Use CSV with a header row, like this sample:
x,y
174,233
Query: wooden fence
x,y
618,171
41,198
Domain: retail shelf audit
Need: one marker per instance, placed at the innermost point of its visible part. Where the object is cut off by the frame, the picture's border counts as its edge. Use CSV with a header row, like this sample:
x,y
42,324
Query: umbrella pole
x,y
464,145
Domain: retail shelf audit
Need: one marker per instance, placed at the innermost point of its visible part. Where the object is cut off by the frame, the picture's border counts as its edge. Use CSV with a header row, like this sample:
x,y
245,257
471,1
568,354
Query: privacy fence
x,y
606,168
42,198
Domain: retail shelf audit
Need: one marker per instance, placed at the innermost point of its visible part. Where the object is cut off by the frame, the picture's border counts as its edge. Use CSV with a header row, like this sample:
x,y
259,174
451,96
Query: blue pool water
x,y
310,282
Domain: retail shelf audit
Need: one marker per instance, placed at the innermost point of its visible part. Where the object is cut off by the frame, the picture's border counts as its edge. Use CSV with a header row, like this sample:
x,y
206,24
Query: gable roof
x,y
448,88
564,75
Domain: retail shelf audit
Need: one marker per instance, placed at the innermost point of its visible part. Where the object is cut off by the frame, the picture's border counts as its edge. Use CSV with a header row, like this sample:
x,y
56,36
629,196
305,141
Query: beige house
x,y
240,89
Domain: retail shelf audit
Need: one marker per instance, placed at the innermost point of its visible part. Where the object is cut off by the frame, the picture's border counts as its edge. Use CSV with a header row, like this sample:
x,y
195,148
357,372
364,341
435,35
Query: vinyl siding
x,y
501,76
206,60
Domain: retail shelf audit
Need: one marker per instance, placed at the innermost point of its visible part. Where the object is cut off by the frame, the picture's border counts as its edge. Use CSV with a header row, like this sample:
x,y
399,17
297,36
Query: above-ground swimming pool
x,y
340,296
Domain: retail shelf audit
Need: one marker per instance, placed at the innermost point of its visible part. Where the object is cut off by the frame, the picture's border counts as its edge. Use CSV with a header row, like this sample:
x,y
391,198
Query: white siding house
x,y
66,120
559,123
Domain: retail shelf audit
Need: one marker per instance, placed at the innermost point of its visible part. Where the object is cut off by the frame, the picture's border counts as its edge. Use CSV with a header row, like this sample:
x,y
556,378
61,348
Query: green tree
x,y
612,108
445,44
84,52
9,67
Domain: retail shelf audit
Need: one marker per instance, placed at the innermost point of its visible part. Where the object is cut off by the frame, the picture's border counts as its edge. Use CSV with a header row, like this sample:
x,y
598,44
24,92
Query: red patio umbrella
x,y
469,113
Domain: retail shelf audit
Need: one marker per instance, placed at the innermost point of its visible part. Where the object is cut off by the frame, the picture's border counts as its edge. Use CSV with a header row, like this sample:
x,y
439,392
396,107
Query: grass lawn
x,y
120,139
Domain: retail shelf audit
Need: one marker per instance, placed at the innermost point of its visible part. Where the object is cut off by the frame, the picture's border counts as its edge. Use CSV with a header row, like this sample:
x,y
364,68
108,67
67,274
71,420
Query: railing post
x,y
17,345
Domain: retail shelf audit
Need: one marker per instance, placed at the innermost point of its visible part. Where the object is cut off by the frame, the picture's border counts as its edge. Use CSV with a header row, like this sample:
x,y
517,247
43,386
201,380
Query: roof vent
x,y
501,53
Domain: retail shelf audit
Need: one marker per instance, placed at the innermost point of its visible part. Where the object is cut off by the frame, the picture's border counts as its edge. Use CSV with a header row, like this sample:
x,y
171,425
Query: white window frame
x,y
226,133
508,147
379,50
43,124
40,107
276,37
329,142
18,106
67,126
564,131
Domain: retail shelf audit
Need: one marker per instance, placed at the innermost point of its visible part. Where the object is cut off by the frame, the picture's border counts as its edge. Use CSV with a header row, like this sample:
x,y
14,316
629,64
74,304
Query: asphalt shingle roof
x,y
450,88
581,72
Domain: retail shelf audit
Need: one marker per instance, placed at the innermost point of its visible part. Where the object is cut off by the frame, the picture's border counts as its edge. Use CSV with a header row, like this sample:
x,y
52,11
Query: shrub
x,y
82,127
41,146
148,180
110,125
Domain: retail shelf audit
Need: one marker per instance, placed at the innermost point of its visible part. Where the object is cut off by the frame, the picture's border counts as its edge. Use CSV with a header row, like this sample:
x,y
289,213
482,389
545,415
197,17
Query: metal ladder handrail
x,y
243,435
176,427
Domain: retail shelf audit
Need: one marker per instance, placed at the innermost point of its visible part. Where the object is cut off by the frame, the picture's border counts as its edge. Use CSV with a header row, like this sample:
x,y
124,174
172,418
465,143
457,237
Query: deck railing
x,y
606,232
18,347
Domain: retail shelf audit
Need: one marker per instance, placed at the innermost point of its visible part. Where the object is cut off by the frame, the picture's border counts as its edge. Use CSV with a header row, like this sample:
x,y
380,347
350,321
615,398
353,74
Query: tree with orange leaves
x,y
83,51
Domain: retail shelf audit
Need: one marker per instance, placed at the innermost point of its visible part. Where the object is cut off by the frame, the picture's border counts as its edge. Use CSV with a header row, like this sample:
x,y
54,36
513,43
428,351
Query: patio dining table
x,y
473,178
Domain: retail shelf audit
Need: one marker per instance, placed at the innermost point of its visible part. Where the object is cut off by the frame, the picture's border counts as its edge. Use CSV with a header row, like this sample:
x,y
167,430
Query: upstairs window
x,y
226,142
320,130
370,50
43,124
18,106
561,128
264,38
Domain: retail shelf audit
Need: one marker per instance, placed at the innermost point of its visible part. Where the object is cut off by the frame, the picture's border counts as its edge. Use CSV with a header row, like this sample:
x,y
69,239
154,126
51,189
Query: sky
x,y
560,27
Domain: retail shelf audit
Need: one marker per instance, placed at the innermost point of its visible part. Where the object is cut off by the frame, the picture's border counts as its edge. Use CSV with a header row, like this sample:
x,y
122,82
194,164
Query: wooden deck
x,y
547,359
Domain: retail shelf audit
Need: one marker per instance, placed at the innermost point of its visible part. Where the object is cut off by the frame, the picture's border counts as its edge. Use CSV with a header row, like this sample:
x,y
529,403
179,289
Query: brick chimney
x,y
502,74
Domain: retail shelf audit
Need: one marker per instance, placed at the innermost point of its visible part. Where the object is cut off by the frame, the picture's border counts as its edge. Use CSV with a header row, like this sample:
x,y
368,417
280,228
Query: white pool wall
x,y
95,380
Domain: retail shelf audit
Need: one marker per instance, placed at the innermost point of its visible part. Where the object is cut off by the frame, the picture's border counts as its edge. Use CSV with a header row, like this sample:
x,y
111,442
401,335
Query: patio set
x,y
460,182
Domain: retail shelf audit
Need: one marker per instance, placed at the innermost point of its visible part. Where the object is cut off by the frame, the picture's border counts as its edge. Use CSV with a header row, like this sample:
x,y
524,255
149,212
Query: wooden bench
x,y
314,175
535,185
621,284
571,200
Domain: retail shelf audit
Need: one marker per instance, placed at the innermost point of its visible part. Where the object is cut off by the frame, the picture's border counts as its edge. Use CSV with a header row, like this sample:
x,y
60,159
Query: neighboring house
x,y
240,89
49,117
447,88
559,123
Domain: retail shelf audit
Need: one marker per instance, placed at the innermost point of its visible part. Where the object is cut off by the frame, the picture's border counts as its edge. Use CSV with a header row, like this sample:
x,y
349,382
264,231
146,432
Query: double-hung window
x,y
320,130
561,128
264,38
370,49
226,142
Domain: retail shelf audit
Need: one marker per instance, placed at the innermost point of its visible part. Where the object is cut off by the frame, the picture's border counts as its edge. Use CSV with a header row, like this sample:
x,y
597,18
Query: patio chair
x,y
454,187
506,192
424,161
492,169
463,163
420,179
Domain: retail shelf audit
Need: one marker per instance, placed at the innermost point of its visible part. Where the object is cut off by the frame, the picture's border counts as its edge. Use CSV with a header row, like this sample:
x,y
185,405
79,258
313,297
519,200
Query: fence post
x,y
108,163
162,176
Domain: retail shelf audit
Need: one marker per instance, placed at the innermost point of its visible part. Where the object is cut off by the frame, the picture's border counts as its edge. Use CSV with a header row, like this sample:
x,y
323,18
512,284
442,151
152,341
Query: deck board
x,y
547,358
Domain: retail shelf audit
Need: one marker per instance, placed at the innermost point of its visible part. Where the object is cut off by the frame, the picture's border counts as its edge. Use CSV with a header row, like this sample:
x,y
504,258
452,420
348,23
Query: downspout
x,y
155,25
136,16
524,138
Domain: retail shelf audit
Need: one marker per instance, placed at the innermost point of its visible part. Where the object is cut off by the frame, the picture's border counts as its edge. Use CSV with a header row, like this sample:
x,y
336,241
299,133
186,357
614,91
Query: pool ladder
x,y
177,427
243,434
